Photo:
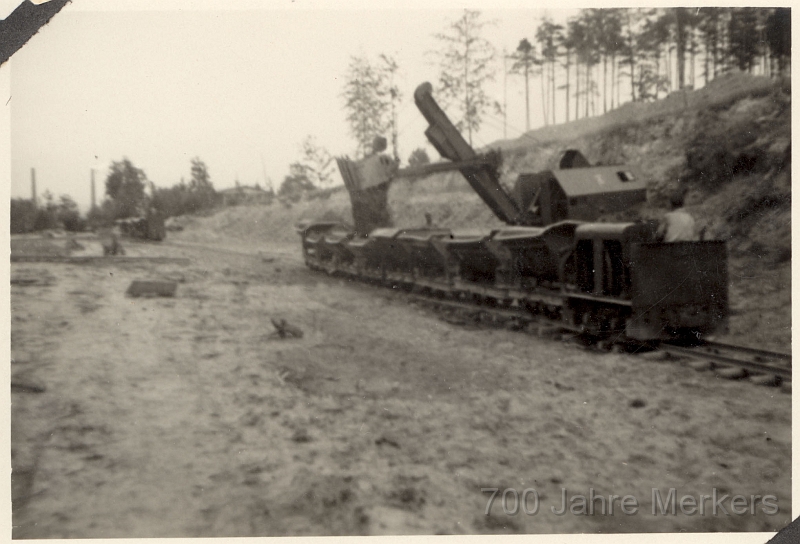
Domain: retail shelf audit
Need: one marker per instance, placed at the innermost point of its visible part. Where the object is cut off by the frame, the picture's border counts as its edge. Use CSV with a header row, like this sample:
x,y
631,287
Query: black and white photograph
x,y
295,268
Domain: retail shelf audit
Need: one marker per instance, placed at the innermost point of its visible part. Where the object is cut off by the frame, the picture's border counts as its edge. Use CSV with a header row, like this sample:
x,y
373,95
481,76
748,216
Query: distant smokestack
x,y
33,187
93,200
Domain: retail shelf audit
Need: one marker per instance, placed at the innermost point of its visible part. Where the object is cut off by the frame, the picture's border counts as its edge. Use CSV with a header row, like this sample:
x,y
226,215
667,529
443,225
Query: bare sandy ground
x,y
186,417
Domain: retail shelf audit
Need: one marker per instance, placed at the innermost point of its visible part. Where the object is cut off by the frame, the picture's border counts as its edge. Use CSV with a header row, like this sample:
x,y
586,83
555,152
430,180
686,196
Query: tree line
x,y
596,61
604,57
128,193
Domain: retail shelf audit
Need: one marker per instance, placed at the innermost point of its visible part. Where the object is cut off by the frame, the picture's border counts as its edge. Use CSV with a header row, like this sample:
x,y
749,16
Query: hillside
x,y
728,145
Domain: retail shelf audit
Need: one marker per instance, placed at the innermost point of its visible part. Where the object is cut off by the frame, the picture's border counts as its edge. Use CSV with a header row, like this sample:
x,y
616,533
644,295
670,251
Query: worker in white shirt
x,y
678,225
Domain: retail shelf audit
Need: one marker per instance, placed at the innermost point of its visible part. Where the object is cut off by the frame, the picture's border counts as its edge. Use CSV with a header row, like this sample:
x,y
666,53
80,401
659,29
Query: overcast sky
x,y
238,88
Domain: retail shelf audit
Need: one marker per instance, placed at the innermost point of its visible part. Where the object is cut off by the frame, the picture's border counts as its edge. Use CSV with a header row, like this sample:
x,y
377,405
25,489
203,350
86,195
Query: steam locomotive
x,y
554,258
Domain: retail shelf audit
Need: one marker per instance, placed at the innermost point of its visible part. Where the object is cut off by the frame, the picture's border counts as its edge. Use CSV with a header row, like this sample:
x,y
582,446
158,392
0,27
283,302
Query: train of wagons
x,y
553,259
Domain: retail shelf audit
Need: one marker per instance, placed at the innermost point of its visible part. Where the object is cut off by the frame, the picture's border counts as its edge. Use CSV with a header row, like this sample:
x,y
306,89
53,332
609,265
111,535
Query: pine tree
x,y
567,45
365,106
681,18
709,26
743,37
524,61
465,63
549,35
392,97
779,37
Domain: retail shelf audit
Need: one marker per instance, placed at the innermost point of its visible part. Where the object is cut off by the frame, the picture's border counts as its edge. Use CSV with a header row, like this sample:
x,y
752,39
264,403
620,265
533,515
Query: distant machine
x,y
147,227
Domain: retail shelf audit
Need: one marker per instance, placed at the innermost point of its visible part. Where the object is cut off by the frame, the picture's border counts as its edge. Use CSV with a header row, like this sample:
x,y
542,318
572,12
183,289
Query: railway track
x,y
762,367
750,361
736,362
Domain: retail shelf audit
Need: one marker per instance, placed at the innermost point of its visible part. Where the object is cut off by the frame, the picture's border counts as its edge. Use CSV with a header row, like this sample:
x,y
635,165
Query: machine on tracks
x,y
149,226
554,258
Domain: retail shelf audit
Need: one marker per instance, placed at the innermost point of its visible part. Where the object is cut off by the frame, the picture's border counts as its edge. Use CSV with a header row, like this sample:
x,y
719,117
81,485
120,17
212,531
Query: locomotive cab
x,y
603,257
597,276
678,289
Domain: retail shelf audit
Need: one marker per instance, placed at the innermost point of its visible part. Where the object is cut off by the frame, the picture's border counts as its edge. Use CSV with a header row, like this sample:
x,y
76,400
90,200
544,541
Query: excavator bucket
x,y
369,193
448,141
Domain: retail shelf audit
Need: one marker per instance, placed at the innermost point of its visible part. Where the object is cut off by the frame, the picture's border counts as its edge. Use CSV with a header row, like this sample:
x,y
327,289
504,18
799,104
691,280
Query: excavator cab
x,y
577,191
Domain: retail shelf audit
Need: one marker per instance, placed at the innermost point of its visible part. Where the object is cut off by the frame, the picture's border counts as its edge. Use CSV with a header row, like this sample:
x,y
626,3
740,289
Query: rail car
x,y
608,279
554,257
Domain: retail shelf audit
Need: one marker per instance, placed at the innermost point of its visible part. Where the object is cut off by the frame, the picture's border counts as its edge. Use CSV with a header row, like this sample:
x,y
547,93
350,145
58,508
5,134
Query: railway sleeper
x,y
731,372
769,380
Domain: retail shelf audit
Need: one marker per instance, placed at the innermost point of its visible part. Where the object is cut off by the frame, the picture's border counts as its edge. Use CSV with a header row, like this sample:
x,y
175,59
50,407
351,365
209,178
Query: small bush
x,y
721,151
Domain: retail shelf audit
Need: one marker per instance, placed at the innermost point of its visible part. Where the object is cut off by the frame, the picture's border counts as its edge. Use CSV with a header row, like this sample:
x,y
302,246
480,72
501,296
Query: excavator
x,y
556,256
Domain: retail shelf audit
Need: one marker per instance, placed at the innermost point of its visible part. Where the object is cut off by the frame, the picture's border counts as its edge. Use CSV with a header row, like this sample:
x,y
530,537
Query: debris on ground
x,y
33,280
388,440
285,330
73,245
140,288
22,387
301,436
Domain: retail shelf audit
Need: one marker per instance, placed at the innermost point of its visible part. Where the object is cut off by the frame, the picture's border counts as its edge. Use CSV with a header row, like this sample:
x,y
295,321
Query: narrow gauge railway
x,y
556,258
755,362
757,355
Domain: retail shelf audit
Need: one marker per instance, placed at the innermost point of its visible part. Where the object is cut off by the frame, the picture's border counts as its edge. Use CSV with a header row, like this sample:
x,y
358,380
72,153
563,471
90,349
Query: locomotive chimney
x,y
33,187
93,193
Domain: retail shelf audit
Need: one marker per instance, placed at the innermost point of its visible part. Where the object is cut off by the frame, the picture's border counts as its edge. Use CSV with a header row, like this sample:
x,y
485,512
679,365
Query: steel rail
x,y
707,350
755,352
784,372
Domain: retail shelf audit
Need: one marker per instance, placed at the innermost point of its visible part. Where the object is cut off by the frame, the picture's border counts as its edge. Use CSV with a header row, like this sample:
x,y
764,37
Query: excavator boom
x,y
448,141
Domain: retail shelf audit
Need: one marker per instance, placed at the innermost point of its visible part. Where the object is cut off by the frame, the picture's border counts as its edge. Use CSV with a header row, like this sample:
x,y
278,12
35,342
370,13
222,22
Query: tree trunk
x,y
577,89
566,102
632,57
553,89
466,95
658,72
714,59
544,96
613,77
588,87
605,84
680,44
691,57
669,69
527,102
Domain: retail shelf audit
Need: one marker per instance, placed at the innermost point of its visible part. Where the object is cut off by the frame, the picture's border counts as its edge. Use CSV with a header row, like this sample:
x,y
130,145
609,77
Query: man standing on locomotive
x,y
678,225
